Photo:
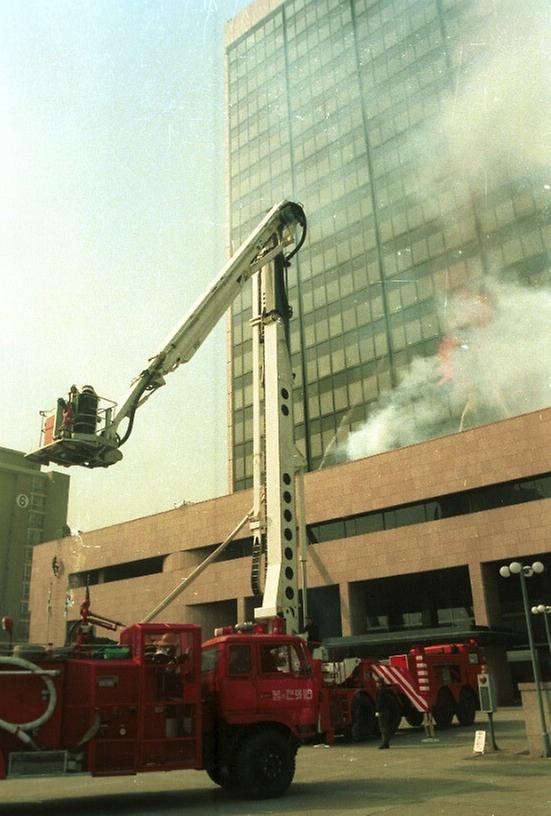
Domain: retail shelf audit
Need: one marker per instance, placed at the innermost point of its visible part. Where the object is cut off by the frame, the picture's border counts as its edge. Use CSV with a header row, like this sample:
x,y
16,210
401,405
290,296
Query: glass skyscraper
x,y
396,125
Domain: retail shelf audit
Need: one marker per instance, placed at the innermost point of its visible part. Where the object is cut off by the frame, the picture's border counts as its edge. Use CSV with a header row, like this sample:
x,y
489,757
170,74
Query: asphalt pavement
x,y
413,778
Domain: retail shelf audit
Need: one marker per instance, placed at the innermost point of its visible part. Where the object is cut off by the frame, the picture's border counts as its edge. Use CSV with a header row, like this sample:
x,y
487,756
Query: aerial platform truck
x,y
240,704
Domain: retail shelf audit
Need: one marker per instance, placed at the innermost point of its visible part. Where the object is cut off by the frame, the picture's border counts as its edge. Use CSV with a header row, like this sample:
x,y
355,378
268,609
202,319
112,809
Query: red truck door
x,y
269,679
285,684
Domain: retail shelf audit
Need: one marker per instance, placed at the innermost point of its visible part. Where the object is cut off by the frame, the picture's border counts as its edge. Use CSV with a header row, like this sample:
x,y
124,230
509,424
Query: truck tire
x,y
221,776
265,765
444,710
363,719
414,717
466,707
219,753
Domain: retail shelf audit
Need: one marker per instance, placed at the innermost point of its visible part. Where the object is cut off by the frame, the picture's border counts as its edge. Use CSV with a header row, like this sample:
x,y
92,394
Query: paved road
x,y
414,778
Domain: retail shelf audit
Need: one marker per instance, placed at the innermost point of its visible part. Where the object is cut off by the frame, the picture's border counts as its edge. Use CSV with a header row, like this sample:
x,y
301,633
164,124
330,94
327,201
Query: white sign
x,y
479,742
22,500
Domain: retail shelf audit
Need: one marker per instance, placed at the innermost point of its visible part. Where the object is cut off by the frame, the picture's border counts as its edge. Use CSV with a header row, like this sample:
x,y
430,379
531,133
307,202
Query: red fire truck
x,y
240,704
430,684
126,709
446,675
239,708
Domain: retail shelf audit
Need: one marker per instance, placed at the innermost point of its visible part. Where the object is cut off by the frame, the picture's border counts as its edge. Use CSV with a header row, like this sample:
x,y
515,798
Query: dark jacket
x,y
384,700
385,703
312,632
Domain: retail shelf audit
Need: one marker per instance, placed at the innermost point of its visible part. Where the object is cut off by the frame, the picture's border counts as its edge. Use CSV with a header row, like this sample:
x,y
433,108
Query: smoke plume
x,y
495,124
497,365
493,128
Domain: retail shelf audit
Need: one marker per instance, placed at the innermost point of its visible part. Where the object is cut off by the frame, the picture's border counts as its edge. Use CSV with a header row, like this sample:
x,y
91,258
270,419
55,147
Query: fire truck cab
x,y
262,697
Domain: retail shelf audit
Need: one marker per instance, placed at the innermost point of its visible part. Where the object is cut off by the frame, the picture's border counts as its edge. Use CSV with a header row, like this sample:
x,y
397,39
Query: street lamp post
x,y
525,571
544,610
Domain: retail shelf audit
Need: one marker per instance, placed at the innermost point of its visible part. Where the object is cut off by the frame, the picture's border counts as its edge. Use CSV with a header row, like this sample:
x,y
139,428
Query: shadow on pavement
x,y
302,797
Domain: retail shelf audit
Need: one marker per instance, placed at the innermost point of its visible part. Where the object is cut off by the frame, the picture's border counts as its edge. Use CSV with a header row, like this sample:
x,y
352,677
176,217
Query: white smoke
x,y
497,368
496,123
493,127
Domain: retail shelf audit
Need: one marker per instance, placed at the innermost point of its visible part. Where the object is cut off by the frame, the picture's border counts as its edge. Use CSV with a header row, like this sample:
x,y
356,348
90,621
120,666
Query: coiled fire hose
x,y
19,730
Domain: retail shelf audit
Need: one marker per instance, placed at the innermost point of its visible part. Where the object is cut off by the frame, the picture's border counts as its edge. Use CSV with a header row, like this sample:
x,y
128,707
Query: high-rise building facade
x,y
33,508
411,131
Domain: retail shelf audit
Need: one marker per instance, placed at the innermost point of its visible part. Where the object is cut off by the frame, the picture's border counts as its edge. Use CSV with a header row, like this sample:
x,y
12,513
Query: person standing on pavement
x,y
384,710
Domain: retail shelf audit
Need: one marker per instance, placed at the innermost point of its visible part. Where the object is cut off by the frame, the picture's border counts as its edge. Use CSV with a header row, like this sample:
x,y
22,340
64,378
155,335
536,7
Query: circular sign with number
x,y
22,500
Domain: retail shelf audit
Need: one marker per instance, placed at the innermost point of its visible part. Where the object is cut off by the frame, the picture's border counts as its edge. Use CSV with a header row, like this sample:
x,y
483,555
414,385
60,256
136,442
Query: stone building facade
x,y
406,540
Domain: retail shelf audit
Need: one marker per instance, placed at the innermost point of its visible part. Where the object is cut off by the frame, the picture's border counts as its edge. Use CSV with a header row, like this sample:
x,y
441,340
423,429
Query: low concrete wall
x,y
530,707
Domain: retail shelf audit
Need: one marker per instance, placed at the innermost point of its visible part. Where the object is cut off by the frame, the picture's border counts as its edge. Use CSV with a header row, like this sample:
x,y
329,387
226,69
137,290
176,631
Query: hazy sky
x,y
112,219
112,224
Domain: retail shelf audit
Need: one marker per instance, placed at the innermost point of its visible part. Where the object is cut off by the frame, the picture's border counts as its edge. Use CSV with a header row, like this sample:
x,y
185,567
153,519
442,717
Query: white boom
x,y
91,438
82,431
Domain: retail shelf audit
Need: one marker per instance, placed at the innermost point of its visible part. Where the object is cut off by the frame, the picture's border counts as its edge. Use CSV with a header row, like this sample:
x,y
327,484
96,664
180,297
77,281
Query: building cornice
x,y
248,18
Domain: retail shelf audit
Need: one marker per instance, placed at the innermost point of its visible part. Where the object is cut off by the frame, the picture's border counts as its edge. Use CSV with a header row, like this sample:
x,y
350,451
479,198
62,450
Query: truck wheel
x,y
444,709
414,718
265,765
219,752
363,719
221,776
466,707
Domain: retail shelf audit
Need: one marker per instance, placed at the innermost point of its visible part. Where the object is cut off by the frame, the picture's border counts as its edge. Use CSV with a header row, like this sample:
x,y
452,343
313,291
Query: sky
x,y
112,225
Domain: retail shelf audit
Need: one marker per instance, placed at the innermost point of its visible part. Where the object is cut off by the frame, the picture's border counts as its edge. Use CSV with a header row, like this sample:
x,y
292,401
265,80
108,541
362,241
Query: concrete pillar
x,y
483,578
175,561
530,708
344,593
487,612
353,609
496,660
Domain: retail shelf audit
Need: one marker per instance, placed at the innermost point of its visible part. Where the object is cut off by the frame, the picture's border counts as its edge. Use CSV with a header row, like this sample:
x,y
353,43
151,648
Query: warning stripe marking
x,y
393,675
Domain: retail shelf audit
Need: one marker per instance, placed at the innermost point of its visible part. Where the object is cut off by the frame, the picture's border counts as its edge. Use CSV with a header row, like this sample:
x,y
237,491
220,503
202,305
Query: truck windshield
x,y
282,658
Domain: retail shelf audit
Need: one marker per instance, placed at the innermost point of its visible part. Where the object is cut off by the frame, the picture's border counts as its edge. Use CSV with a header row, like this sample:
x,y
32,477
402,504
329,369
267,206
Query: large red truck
x,y
125,708
237,706
430,684
240,704
446,675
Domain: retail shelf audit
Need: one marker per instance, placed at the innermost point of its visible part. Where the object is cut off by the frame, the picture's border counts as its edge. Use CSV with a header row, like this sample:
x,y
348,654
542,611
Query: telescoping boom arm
x,y
84,429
